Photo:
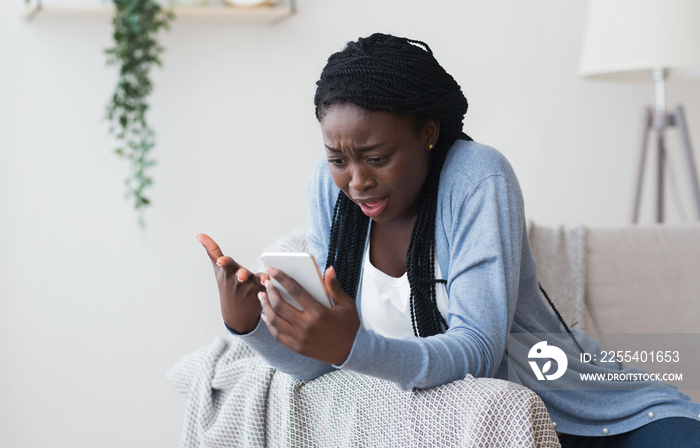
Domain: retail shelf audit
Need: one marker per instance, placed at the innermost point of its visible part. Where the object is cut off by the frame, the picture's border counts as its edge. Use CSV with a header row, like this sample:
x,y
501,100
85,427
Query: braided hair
x,y
389,73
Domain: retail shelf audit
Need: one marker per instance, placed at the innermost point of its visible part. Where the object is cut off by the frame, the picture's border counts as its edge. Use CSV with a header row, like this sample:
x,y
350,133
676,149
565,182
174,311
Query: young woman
x,y
422,232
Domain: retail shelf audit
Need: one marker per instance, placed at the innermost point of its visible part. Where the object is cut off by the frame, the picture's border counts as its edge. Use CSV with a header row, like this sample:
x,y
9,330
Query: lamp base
x,y
659,122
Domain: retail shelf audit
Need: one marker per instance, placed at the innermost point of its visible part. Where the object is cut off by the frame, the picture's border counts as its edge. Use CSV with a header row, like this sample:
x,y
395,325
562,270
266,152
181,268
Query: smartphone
x,y
302,267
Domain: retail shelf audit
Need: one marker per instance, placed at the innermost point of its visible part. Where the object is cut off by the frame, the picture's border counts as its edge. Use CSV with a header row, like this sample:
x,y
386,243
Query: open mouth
x,y
373,208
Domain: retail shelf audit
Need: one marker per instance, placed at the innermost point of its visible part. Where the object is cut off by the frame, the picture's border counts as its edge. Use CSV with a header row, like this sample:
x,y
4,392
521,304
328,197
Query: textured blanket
x,y
560,254
234,399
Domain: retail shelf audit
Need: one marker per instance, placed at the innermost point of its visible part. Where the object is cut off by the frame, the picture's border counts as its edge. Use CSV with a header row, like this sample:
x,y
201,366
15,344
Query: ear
x,y
430,133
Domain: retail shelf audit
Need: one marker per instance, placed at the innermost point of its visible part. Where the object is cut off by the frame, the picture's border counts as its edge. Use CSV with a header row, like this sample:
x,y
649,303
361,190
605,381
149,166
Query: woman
x,y
422,232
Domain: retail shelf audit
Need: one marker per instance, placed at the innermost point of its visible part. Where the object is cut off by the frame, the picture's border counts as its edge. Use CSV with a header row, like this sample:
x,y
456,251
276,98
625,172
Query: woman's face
x,y
379,159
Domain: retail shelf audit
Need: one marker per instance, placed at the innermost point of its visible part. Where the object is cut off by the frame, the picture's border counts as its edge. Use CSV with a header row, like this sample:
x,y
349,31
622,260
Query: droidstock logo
x,y
543,351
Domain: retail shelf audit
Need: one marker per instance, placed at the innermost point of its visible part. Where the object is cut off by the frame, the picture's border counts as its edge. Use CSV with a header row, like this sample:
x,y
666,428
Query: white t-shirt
x,y
385,303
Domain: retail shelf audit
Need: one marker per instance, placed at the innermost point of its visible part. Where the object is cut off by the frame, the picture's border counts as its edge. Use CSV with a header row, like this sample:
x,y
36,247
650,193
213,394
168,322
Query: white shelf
x,y
219,13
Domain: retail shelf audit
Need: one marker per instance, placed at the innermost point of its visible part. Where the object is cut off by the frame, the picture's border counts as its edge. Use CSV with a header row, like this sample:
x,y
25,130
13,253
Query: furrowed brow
x,y
358,149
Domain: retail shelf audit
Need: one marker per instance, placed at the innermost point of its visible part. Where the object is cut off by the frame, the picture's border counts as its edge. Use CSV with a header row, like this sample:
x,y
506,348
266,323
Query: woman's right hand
x,y
238,289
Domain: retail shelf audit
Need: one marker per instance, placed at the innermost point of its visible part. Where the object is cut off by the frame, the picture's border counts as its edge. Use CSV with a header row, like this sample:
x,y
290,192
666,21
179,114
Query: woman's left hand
x,y
325,334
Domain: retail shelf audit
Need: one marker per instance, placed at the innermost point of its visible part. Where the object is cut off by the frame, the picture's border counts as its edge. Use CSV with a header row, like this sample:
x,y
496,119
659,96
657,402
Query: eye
x,y
336,162
376,160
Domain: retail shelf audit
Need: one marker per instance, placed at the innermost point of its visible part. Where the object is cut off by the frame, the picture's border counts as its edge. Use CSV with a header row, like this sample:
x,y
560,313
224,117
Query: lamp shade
x,y
626,39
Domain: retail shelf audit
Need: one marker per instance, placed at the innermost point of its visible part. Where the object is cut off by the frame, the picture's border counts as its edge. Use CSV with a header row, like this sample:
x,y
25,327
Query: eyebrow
x,y
361,149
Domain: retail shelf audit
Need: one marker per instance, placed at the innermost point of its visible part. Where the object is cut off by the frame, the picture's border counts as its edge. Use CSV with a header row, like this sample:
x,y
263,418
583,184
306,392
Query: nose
x,y
361,180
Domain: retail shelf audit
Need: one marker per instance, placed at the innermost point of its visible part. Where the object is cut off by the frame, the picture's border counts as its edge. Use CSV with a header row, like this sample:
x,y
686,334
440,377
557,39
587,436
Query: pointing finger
x,y
211,247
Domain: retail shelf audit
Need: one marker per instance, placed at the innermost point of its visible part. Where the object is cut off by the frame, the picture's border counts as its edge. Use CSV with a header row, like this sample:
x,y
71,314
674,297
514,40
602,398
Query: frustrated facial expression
x,y
379,159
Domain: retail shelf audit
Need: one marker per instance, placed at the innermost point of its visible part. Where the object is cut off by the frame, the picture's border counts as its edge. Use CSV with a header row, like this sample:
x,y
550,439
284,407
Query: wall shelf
x,y
213,13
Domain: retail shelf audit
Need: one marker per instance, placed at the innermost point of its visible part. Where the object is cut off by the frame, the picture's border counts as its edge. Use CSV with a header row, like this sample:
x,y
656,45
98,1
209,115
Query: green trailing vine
x,y
136,50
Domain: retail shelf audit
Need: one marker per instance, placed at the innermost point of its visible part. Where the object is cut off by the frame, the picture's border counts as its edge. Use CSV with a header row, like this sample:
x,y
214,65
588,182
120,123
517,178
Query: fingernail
x,y
266,283
260,296
240,279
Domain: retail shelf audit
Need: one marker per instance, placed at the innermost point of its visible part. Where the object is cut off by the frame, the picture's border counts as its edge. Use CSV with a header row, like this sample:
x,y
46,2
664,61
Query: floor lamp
x,y
648,40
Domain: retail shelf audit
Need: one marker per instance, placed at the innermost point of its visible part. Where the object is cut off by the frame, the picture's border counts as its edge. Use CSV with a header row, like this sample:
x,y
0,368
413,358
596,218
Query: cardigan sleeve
x,y
485,232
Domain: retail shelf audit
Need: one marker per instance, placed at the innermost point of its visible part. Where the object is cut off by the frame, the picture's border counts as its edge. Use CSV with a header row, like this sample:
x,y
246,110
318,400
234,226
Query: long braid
x,y
425,315
389,73
349,226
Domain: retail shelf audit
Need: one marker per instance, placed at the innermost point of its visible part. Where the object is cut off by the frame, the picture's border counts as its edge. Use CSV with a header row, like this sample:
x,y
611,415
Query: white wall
x,y
94,310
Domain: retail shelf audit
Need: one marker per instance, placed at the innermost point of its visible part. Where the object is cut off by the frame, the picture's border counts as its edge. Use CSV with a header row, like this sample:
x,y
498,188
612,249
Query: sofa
x,y
638,280
641,279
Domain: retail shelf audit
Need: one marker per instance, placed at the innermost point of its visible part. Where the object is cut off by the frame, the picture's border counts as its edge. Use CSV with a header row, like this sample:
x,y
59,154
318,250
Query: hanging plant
x,y
136,49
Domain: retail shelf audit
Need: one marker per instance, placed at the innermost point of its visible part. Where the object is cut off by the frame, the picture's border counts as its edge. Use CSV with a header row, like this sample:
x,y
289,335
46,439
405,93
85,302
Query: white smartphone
x,y
302,267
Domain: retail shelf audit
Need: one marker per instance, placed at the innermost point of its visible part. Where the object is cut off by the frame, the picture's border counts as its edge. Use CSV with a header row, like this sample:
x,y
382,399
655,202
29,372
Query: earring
x,y
430,147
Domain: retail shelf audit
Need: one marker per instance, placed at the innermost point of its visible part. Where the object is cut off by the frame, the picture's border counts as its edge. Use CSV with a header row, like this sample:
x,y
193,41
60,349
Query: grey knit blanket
x,y
560,255
234,399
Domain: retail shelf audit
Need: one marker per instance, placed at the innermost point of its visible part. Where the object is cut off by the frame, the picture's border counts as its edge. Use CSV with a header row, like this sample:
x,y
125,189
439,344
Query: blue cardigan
x,y
483,250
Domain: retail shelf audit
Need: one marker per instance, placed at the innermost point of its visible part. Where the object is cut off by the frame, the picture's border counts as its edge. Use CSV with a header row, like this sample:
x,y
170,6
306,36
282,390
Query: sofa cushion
x,y
644,279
